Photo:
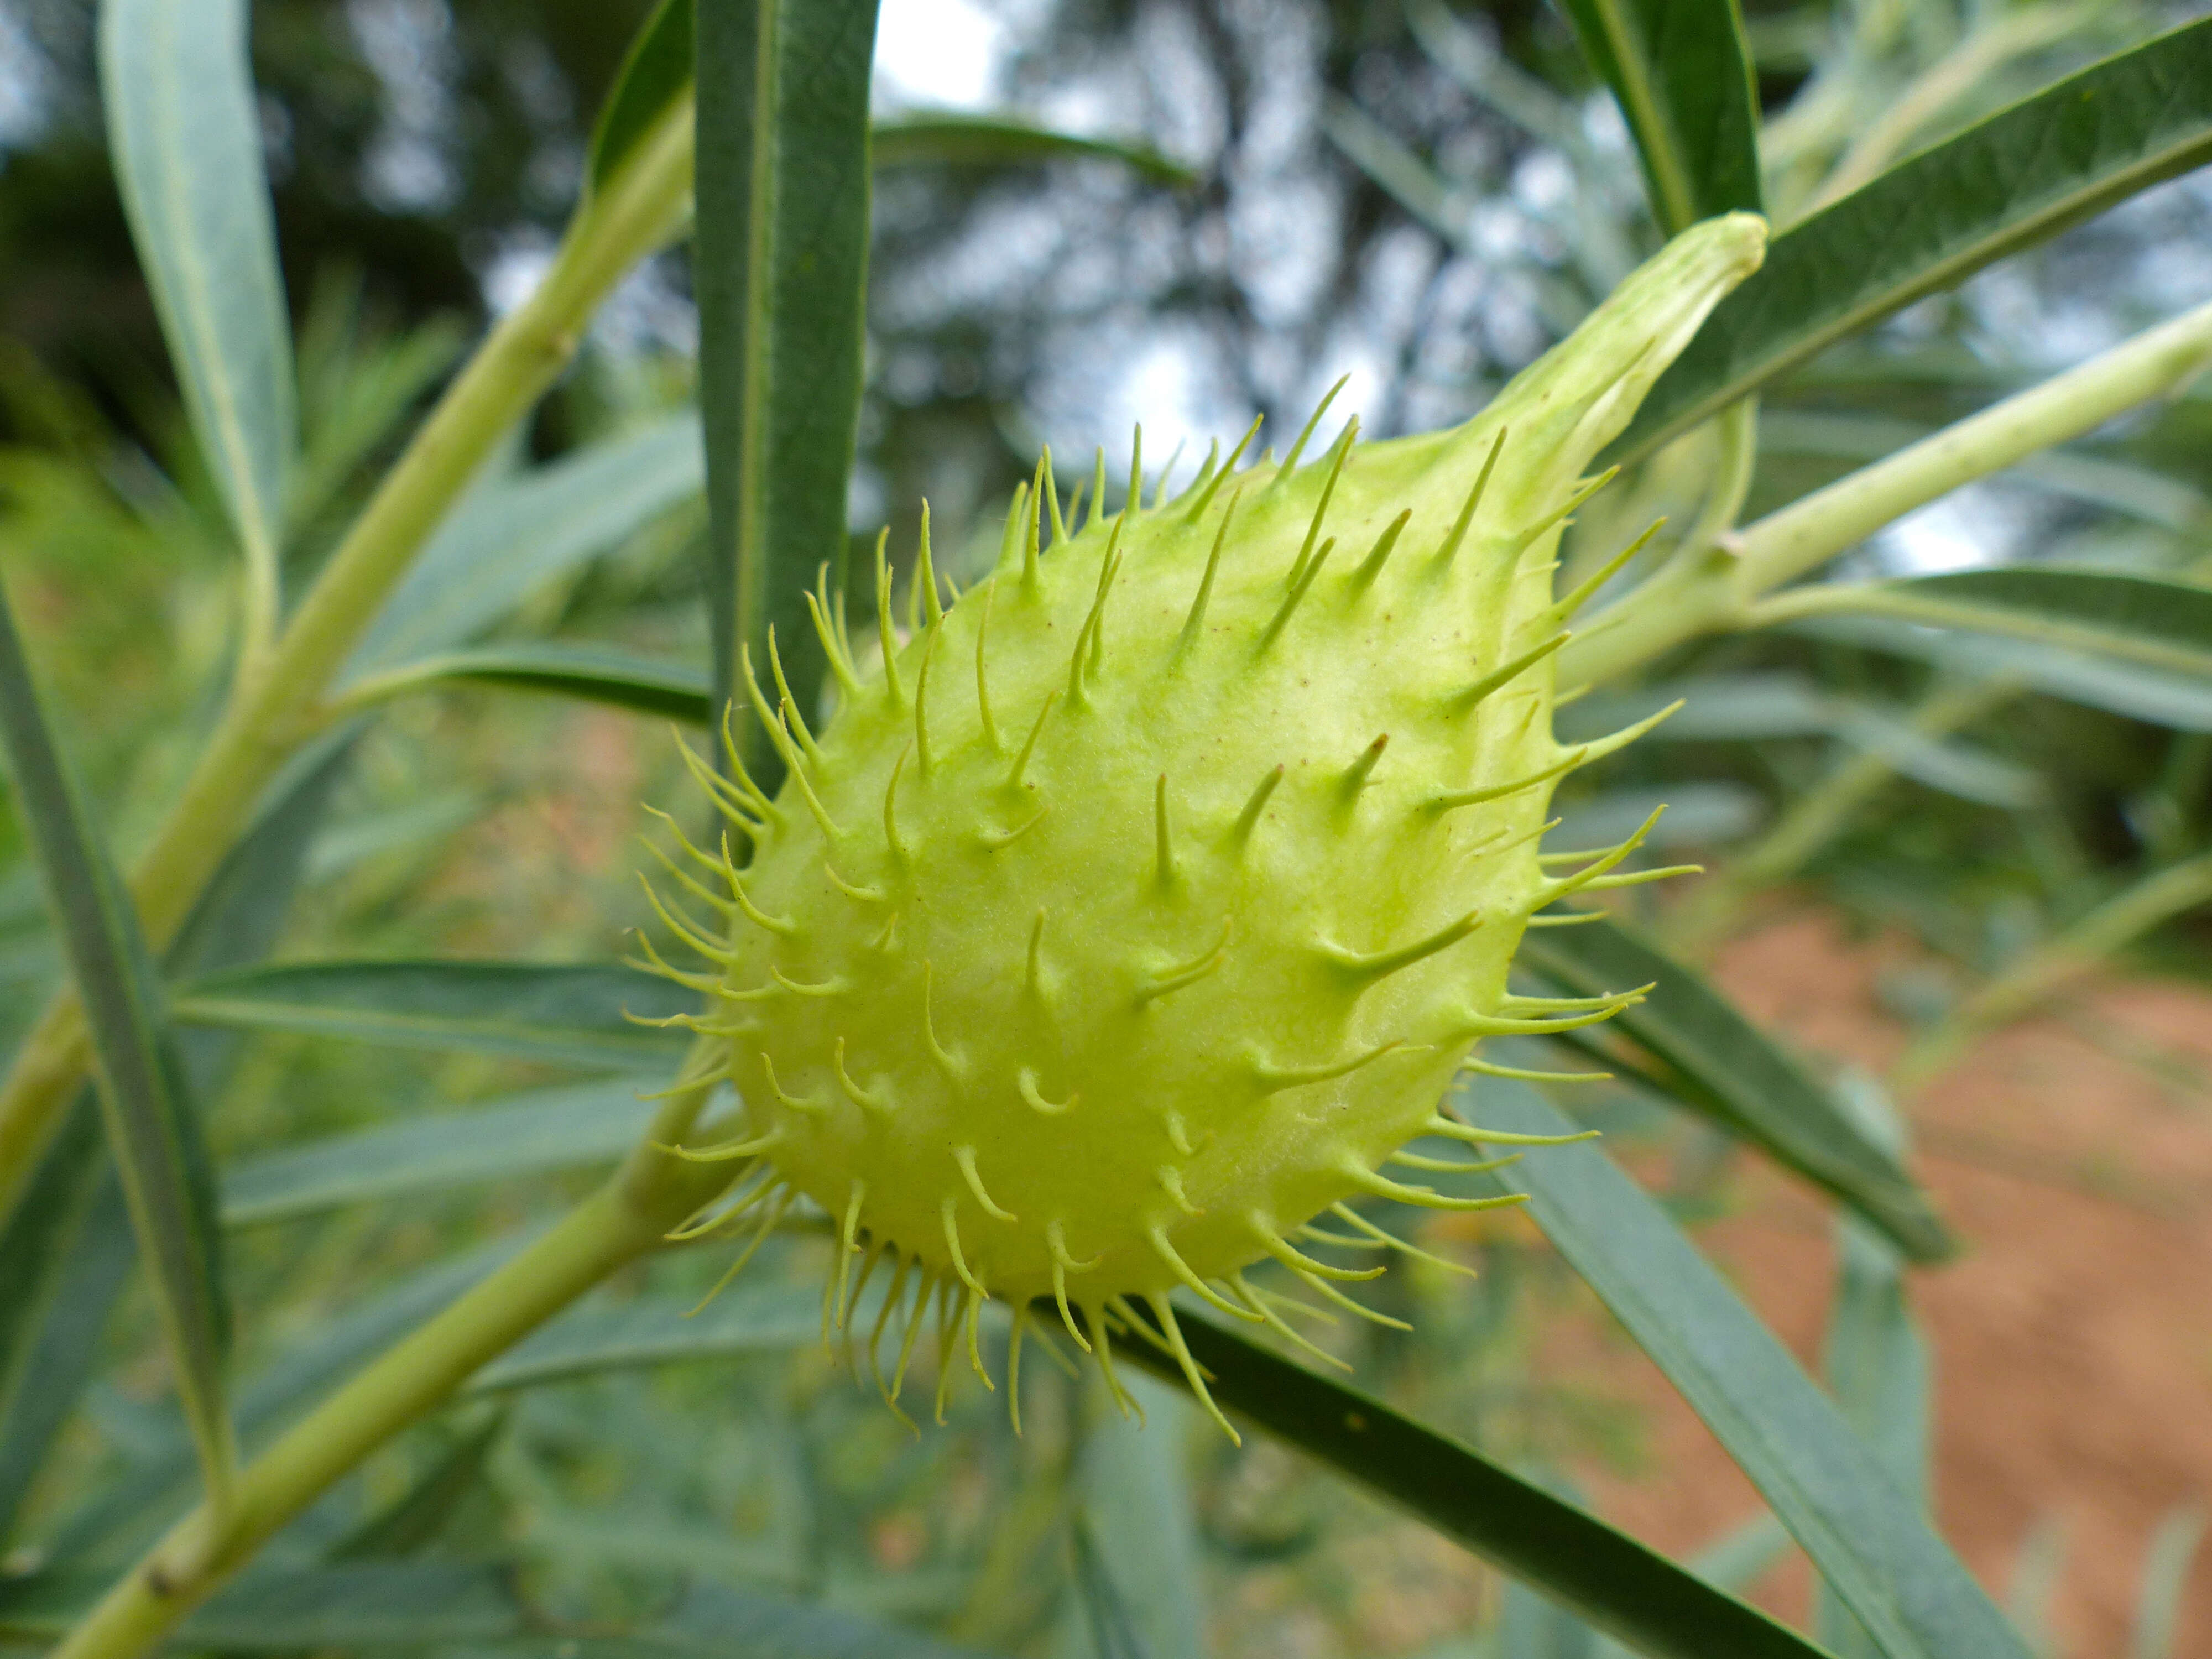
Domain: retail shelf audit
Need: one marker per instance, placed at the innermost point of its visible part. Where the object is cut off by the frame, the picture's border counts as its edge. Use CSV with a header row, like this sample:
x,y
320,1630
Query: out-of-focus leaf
x,y
2159,696
1725,1067
594,673
185,134
1137,1499
1681,74
654,74
781,194
1617,1584
1869,1540
64,1255
1704,814
117,1521
948,138
2026,172
514,534
2139,619
2166,1575
562,1013
543,1130
413,1520
385,1606
2154,498
69,1252
152,1129
663,1331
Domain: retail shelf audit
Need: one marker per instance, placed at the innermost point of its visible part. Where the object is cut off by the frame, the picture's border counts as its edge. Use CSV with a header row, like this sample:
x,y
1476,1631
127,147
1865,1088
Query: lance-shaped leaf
x,y
1632,1593
1723,1065
185,133
1870,1541
654,74
665,1331
561,1013
152,1128
528,1133
2163,625
622,679
2026,172
1681,74
781,252
950,138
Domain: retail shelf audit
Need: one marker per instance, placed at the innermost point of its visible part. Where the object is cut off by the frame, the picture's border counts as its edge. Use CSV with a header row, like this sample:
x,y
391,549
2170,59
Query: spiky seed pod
x,y
1142,907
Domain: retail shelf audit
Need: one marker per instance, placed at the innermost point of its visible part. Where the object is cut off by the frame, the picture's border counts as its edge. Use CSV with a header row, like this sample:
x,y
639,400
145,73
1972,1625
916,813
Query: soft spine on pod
x,y
1141,908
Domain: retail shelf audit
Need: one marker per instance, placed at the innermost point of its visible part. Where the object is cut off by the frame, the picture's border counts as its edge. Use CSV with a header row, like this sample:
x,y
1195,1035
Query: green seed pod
x,y
1143,904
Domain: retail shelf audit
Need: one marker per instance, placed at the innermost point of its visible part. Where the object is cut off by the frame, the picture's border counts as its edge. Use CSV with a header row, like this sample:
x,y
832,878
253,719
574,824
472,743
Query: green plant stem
x,y
626,1219
1815,818
277,703
1719,589
2109,928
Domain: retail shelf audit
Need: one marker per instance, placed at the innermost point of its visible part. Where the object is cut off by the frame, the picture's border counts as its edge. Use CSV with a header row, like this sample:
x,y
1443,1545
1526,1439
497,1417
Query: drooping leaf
x,y
2157,624
114,1524
396,1606
950,138
69,1251
562,1013
1617,1584
622,679
654,74
412,1520
745,1319
185,133
1681,73
2159,696
530,1133
2026,172
1136,1496
153,1127
1869,1541
514,534
781,269
64,1257
1721,1064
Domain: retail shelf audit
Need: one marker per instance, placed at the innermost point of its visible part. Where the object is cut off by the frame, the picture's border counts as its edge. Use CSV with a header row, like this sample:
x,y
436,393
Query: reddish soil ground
x,y
2072,1339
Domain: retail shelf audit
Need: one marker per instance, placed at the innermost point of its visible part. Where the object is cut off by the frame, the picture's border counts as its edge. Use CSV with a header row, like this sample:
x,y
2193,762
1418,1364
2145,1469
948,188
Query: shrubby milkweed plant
x,y
1125,953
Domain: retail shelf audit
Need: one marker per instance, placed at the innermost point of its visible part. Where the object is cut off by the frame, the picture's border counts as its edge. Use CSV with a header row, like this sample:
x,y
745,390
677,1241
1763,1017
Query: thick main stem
x,y
623,1220
278,702
1717,590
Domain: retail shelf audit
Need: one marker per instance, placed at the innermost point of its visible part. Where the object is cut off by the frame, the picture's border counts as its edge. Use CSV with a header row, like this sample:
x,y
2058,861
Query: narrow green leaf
x,y
654,74
64,1255
529,1134
1617,1584
622,679
781,270
1726,1068
1681,74
663,1331
1136,1496
68,1251
514,534
945,138
562,1013
116,1523
1698,814
2160,697
152,1128
1869,1541
2025,173
471,1607
185,134
2139,619
411,1522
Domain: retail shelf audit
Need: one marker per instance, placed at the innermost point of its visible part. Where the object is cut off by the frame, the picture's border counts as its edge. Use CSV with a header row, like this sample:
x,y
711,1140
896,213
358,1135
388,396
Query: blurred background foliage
x,y
1421,196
